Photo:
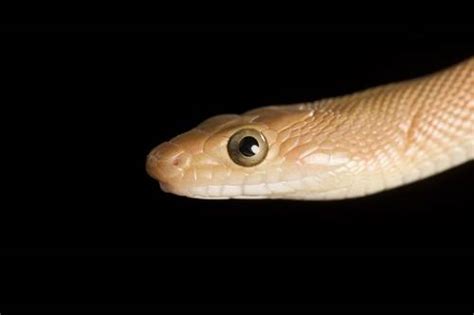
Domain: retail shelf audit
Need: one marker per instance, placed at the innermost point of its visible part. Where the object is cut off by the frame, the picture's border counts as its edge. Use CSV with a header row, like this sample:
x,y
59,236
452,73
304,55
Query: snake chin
x,y
171,189
164,187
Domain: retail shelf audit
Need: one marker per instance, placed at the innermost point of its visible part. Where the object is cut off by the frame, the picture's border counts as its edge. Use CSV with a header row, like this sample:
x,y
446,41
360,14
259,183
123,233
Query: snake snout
x,y
166,162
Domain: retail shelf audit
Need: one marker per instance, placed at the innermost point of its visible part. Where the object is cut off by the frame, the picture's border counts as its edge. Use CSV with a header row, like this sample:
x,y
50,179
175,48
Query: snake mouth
x,y
169,189
172,189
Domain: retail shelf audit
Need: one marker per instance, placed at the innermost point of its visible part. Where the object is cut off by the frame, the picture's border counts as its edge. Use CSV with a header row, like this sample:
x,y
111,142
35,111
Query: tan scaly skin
x,y
336,148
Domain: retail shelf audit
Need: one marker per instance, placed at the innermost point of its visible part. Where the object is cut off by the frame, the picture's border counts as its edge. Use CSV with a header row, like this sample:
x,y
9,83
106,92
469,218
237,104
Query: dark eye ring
x,y
247,147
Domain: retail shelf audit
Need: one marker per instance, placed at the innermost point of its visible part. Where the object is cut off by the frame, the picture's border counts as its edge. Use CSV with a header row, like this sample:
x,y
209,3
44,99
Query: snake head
x,y
254,155
201,163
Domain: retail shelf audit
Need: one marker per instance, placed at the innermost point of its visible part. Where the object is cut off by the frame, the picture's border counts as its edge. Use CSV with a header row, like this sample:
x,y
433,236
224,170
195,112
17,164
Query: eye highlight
x,y
247,147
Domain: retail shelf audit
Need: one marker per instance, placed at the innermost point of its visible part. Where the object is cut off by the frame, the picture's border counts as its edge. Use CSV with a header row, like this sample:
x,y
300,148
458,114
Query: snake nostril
x,y
176,162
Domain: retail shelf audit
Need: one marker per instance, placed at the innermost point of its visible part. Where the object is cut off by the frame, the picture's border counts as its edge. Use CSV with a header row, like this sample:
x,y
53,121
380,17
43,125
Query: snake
x,y
340,147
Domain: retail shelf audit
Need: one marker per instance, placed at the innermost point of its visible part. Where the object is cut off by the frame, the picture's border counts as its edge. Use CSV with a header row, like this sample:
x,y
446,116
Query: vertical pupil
x,y
248,146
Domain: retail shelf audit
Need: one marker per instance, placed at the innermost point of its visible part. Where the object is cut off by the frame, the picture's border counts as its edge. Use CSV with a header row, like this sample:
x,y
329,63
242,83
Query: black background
x,y
82,110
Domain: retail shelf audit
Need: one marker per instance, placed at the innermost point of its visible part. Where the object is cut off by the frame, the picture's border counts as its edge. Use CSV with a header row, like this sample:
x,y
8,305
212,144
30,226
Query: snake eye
x,y
247,147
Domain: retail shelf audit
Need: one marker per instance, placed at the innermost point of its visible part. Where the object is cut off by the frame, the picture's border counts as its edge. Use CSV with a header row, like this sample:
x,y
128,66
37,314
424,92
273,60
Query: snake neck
x,y
406,131
441,124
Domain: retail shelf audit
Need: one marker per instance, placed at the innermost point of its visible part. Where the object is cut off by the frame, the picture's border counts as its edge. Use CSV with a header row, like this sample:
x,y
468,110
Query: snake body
x,y
336,148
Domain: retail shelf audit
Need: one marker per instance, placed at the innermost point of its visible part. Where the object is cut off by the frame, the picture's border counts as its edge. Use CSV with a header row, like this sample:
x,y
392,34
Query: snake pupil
x,y
249,146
